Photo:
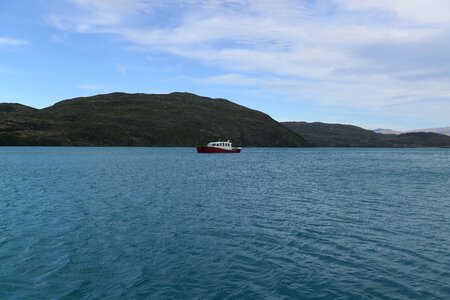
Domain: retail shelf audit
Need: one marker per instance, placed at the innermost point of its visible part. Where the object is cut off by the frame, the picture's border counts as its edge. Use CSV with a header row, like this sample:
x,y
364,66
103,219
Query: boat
x,y
219,147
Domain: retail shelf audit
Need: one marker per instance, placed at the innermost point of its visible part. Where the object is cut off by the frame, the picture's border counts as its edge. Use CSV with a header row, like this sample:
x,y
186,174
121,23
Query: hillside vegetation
x,y
180,119
120,119
338,135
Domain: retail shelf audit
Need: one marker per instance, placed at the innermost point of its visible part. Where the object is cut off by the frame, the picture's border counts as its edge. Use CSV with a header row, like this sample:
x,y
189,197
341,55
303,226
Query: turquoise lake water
x,y
266,223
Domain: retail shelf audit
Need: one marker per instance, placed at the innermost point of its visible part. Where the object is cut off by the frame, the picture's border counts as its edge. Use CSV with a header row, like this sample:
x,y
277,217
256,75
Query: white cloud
x,y
369,54
95,15
6,41
121,69
423,11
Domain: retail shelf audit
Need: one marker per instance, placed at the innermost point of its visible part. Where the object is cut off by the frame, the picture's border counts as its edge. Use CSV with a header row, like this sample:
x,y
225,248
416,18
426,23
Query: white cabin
x,y
220,144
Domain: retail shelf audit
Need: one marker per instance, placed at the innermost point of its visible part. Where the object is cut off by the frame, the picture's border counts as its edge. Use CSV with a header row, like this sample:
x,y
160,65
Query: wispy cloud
x,y
418,11
121,69
369,54
7,41
98,15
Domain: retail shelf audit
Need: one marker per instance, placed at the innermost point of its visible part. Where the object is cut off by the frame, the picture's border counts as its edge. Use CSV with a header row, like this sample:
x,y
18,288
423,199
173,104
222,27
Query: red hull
x,y
206,149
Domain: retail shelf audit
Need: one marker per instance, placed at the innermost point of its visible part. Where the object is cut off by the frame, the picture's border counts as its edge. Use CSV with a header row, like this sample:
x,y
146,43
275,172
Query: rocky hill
x,y
120,119
10,110
180,119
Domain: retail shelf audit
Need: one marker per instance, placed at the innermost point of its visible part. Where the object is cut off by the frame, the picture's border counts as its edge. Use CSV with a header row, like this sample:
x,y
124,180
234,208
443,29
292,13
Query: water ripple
x,y
268,223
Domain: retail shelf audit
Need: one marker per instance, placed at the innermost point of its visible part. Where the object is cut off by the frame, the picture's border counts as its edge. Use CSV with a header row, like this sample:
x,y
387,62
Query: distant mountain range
x,y
339,135
387,131
179,119
440,130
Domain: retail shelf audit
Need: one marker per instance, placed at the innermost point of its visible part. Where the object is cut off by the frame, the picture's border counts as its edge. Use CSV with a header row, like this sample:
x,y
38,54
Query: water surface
x,y
266,223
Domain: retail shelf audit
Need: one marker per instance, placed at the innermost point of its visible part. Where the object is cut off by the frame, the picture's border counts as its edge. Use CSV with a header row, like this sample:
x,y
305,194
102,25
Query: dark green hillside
x,y
338,135
9,110
119,119
418,139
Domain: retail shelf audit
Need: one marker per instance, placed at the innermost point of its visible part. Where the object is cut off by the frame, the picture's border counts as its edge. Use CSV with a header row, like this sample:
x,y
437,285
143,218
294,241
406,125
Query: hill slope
x,y
10,110
338,135
418,139
120,119
440,130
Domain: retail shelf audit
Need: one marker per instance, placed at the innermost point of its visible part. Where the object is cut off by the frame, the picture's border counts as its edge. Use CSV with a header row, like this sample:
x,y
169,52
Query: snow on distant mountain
x,y
386,131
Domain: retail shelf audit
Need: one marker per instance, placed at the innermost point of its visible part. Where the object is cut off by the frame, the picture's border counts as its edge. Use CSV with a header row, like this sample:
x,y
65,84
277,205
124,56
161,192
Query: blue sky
x,y
372,63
